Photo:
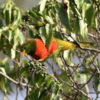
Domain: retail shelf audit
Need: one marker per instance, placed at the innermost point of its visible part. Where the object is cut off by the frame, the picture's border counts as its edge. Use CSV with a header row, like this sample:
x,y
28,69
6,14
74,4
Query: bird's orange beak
x,y
24,52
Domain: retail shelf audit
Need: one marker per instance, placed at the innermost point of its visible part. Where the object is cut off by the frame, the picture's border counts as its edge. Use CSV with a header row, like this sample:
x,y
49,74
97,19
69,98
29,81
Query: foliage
x,y
79,22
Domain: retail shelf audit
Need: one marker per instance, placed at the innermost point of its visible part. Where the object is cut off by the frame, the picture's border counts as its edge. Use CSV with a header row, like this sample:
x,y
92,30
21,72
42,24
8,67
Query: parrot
x,y
39,51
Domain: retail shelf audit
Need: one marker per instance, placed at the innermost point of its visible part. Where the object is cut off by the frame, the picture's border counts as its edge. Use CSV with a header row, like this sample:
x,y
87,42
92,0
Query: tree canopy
x,y
71,20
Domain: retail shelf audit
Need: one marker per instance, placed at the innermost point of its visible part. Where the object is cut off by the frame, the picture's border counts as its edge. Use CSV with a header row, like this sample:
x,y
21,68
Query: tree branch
x,y
17,83
90,49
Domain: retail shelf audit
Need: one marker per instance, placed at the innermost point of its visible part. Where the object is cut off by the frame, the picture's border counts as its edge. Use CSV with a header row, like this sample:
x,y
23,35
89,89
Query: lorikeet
x,y
38,50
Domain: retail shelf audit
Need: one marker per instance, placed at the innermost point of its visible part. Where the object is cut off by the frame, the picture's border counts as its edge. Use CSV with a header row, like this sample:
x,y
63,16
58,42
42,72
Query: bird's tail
x,y
65,45
86,44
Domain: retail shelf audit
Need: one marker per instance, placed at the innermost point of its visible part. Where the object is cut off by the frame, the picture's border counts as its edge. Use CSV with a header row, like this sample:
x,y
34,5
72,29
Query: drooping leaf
x,y
96,82
7,17
90,14
1,24
31,33
64,18
10,35
79,3
83,28
3,70
33,15
21,36
76,25
42,5
48,34
49,19
34,94
48,81
83,78
13,53
42,31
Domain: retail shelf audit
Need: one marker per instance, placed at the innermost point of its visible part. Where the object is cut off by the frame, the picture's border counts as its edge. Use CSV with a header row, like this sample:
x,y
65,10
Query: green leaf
x,y
57,35
4,60
13,53
89,14
47,29
34,94
48,34
43,94
33,15
89,60
42,31
79,3
47,97
83,78
7,19
21,36
16,18
42,5
64,17
59,98
9,10
3,70
31,33
96,82
48,81
10,35
83,28
38,79
1,24
8,86
15,39
49,19
76,24
55,90
24,71
24,61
